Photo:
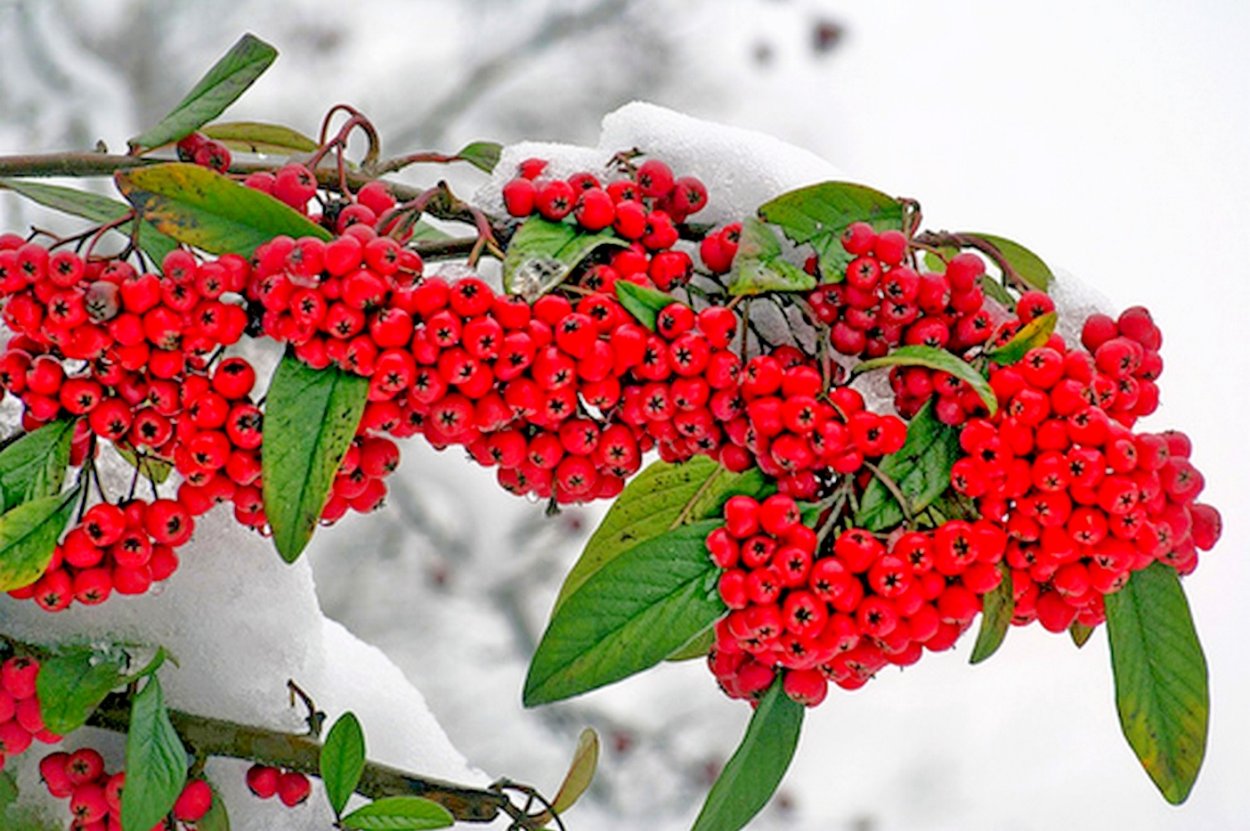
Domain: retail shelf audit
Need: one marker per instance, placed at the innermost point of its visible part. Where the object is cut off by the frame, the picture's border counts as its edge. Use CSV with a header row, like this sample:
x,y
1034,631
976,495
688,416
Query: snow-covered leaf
x,y
398,813
643,303
156,761
542,254
34,465
73,682
310,419
921,469
939,359
28,535
259,137
1033,334
483,155
997,609
342,761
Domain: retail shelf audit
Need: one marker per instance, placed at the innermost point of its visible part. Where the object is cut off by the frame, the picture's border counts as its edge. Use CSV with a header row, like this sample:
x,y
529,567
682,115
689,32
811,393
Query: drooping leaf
x,y
542,254
342,761
158,470
818,214
997,609
204,209
73,682
310,419
581,771
156,761
28,535
259,137
483,155
753,774
233,73
398,813
939,359
1160,674
96,208
34,466
1080,633
217,818
656,501
1022,264
643,303
921,469
631,614
759,266
1033,334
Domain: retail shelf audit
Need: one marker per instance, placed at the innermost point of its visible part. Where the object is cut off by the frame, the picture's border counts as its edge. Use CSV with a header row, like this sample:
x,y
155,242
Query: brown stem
x,y
400,162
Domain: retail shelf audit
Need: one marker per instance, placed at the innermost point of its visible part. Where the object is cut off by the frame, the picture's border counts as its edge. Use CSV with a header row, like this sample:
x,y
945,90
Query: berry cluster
x,y
838,613
290,786
95,795
198,148
21,718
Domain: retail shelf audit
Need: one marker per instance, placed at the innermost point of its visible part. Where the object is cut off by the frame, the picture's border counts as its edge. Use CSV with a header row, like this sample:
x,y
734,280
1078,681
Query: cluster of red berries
x,y
95,795
1084,500
21,718
290,786
296,186
838,613
644,211
198,148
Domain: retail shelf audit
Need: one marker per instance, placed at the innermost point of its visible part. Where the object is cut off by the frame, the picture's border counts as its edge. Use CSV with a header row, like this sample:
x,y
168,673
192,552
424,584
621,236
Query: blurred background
x,y
1110,138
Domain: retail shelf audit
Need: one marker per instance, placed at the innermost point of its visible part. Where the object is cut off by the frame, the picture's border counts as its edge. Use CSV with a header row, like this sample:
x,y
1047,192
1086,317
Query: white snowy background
x,y
1110,138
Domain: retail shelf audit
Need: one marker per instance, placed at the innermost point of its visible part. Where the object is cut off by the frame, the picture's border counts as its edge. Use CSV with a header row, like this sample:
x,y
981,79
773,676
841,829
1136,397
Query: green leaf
x,y
1080,633
34,466
754,772
581,771
937,261
697,648
921,469
342,761
310,419
204,209
483,155
259,137
939,359
643,303
8,791
398,813
28,535
217,818
543,254
633,613
1160,678
995,290
1033,334
759,265
656,501
157,470
998,607
72,684
425,232
818,215
156,761
96,208
1022,264
218,89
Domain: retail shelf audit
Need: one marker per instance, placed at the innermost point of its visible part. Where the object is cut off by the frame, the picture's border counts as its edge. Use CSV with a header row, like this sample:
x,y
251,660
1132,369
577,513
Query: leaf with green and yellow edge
x,y
398,813
204,209
483,155
1161,691
997,609
818,214
1032,335
643,303
759,266
1022,265
233,73
542,254
96,208
656,501
939,359
28,536
34,465
921,469
156,761
753,774
260,137
311,416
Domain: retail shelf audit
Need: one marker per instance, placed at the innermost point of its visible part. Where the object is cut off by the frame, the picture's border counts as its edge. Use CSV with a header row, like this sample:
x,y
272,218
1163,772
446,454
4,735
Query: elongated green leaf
x,y
939,359
28,535
921,469
398,813
483,155
1022,264
259,137
1033,334
633,613
310,418
96,208
1080,633
156,761
759,266
72,684
342,761
643,303
1160,678
996,613
754,772
994,289
34,466
209,211
818,215
655,502
543,254
217,818
218,89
